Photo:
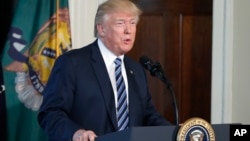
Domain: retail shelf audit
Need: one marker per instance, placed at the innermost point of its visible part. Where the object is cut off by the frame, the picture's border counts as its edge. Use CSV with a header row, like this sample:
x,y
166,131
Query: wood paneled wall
x,y
178,34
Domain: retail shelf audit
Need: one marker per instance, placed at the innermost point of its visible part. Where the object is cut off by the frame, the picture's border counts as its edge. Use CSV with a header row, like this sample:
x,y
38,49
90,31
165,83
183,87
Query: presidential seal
x,y
196,129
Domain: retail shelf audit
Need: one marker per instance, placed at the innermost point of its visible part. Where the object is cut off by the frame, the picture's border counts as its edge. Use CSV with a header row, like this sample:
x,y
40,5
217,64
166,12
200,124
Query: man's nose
x,y
127,28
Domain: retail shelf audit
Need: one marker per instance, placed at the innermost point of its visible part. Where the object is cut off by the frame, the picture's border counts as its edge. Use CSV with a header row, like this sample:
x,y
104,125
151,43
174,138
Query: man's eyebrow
x,y
122,19
119,19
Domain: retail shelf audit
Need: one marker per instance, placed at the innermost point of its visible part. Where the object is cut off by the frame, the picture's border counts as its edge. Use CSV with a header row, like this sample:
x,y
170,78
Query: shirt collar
x,y
108,56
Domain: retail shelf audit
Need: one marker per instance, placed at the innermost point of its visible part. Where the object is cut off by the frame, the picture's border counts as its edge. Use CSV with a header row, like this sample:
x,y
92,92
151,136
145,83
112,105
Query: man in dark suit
x,y
81,100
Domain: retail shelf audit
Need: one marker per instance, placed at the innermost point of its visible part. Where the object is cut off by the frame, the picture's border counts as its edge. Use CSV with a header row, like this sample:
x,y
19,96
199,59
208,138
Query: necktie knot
x,y
118,61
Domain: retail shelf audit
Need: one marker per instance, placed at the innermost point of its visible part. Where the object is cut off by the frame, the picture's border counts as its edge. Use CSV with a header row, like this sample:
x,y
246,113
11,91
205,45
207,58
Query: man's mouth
x,y
127,40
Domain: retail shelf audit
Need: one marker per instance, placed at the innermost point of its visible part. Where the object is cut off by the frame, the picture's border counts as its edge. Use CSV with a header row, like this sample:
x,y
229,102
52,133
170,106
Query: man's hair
x,y
111,6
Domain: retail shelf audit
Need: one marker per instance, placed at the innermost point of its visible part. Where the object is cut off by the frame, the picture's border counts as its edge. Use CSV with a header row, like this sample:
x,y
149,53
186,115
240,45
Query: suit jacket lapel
x,y
105,84
133,94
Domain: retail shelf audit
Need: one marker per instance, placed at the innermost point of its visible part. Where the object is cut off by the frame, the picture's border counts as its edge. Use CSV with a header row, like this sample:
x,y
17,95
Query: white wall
x,y
230,59
230,65
241,62
82,14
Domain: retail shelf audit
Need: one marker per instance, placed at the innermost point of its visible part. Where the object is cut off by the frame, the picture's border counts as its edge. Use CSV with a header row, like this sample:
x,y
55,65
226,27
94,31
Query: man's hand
x,y
84,135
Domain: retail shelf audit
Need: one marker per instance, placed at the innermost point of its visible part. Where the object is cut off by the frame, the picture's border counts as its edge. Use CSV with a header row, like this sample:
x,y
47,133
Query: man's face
x,y
118,32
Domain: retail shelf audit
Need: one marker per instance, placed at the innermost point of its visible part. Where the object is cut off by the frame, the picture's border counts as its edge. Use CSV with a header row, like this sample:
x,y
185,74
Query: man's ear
x,y
100,29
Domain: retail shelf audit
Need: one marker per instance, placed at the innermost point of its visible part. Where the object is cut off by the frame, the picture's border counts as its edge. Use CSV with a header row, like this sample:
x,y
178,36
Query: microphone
x,y
156,70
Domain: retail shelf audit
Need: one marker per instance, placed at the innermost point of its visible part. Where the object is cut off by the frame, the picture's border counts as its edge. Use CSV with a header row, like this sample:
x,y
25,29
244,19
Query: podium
x,y
160,133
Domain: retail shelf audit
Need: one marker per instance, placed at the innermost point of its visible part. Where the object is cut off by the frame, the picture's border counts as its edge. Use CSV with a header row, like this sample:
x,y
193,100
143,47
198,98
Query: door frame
x,y
222,62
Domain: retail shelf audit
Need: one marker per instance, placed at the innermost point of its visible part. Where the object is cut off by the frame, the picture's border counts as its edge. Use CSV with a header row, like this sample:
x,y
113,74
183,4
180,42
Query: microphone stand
x,y
158,72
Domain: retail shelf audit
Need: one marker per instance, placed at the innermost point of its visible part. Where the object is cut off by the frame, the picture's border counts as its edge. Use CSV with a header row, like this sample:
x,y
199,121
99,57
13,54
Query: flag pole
x,y
57,28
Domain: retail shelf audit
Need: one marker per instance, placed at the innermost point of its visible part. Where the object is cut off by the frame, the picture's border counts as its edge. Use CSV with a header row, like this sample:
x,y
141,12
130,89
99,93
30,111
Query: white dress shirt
x,y
109,59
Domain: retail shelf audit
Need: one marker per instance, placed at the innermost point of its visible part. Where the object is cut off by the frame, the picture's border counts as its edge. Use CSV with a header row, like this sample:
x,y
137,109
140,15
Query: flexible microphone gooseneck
x,y
156,70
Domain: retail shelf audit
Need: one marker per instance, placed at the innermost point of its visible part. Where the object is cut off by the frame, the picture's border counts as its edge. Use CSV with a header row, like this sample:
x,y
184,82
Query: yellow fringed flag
x,y
39,33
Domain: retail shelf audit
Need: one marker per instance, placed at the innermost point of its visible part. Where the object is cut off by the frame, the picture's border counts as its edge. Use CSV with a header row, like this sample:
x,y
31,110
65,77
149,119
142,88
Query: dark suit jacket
x,y
79,95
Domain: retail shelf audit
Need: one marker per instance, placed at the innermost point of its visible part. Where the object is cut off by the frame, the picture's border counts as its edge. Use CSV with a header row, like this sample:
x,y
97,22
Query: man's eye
x,y
132,22
119,23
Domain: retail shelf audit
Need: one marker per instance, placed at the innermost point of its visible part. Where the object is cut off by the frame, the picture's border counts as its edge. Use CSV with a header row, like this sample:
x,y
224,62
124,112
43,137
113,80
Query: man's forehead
x,y
118,16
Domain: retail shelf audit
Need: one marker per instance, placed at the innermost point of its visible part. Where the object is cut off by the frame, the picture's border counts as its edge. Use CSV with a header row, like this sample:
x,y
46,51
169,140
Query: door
x,y
178,35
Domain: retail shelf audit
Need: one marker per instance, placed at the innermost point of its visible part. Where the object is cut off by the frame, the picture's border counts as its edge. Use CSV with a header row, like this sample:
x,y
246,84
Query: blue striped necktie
x,y
122,107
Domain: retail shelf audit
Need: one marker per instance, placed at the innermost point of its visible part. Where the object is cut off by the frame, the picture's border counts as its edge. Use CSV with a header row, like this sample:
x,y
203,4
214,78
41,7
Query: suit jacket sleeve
x,y
58,98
